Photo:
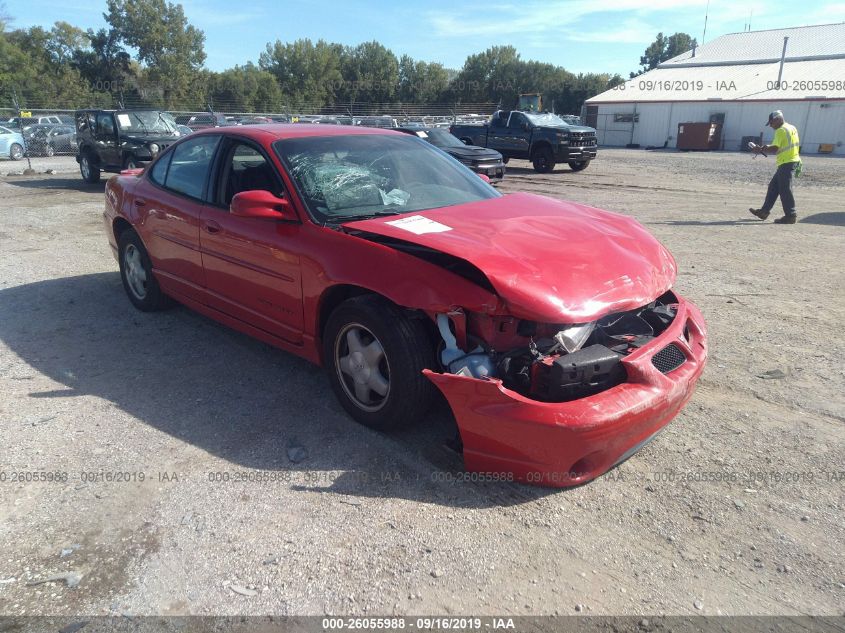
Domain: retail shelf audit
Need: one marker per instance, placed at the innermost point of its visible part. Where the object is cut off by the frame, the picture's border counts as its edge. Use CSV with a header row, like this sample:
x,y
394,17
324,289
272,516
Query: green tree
x,y
663,48
170,48
246,89
370,73
307,73
494,75
421,82
107,67
39,80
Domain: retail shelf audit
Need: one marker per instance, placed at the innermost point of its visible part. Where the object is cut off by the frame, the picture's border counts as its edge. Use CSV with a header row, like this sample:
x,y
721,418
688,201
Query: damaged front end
x,y
559,404
551,362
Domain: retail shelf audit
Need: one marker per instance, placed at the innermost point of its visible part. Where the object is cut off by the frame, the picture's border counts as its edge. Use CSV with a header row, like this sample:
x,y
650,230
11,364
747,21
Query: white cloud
x,y
536,17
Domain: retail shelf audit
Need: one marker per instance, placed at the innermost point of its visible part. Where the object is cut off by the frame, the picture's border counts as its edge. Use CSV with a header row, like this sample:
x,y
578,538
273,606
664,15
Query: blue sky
x,y
581,35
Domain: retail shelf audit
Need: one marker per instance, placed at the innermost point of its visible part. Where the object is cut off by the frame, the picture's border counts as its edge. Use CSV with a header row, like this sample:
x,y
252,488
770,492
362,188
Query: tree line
x,y
150,55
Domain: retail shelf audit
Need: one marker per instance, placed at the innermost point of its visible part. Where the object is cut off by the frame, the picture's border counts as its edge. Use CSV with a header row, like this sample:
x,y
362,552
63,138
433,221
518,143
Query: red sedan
x,y
550,327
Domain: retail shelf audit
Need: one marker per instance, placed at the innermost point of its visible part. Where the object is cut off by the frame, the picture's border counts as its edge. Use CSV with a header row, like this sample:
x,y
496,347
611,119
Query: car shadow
x,y
51,182
229,395
828,218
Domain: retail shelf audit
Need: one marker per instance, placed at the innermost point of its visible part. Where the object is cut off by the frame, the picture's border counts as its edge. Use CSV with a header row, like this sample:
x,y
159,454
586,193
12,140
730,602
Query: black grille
x,y
583,139
669,358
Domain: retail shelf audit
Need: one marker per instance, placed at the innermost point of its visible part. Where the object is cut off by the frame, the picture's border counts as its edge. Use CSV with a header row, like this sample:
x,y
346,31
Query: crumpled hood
x,y
549,260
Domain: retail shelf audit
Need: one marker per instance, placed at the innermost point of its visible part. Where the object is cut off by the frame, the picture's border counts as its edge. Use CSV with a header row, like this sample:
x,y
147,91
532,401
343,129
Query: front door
x,y
252,265
105,138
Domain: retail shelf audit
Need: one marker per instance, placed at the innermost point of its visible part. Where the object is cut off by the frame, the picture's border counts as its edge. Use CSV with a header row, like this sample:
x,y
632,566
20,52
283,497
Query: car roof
x,y
297,130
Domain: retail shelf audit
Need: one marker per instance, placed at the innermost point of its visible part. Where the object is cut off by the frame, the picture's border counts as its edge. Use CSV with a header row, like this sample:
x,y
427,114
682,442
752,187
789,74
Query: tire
x,y
49,150
466,141
90,173
136,272
505,159
544,160
130,163
16,151
395,394
579,165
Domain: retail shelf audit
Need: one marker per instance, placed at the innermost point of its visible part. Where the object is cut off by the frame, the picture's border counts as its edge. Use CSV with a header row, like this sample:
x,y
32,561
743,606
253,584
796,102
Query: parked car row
x,y
47,140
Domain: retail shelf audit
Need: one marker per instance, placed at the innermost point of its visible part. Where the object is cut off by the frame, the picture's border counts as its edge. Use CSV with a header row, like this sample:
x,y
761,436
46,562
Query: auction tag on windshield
x,y
419,225
123,119
422,134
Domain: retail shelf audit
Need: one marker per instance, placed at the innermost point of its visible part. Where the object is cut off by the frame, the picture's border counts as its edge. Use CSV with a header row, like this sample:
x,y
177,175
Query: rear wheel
x,y
89,172
579,165
49,150
136,272
130,163
16,151
375,353
544,160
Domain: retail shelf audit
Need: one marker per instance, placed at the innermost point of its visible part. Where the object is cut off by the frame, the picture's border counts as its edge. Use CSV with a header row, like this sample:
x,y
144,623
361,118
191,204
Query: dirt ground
x,y
736,508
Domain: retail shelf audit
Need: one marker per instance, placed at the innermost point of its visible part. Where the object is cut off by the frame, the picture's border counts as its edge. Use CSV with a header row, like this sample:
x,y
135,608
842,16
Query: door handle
x,y
211,226
140,203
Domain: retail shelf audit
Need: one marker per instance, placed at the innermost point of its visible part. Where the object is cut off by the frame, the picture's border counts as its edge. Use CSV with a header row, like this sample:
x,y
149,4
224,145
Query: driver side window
x,y
516,121
105,125
246,169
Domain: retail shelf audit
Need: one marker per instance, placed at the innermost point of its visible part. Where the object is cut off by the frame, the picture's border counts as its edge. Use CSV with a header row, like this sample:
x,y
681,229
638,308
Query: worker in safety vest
x,y
785,147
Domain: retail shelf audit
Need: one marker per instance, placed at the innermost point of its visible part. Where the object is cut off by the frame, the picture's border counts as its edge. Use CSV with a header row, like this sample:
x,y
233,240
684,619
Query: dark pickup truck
x,y
543,138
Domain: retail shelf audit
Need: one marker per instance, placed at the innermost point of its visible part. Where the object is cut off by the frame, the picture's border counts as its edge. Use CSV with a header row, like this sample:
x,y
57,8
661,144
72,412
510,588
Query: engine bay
x,y
550,362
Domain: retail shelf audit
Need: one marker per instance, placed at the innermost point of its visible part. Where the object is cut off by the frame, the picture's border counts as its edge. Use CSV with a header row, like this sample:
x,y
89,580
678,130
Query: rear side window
x,y
190,165
159,171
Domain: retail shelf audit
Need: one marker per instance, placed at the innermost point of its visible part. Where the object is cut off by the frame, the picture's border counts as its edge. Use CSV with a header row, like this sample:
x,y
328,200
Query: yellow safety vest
x,y
786,138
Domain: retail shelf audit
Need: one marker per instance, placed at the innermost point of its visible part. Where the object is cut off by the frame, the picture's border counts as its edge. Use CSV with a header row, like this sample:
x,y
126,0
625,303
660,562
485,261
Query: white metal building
x,y
742,76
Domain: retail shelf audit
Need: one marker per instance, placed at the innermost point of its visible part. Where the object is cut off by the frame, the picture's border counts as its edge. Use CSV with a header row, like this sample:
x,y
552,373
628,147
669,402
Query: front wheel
x,y
579,165
544,160
90,173
505,159
49,150
16,151
136,272
374,354
130,163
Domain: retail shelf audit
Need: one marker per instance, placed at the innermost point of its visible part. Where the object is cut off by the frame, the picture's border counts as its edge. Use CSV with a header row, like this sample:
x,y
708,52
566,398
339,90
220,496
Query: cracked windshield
x,y
345,178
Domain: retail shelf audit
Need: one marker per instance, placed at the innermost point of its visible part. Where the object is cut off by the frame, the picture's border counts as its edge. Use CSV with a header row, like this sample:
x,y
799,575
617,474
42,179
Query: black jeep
x,y
113,140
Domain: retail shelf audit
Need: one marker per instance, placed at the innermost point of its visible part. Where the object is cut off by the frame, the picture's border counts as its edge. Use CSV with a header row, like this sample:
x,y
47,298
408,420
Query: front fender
x,y
403,279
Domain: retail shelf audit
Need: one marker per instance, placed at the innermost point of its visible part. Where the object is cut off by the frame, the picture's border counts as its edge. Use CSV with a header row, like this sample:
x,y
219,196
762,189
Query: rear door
x,y
252,265
169,202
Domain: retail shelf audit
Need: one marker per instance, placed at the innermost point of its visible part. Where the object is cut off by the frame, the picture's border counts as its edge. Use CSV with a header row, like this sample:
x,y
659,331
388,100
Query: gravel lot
x,y
736,508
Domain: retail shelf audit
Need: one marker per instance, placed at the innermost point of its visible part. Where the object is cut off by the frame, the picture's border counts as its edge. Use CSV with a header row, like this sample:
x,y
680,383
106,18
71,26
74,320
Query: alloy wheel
x,y
362,367
136,274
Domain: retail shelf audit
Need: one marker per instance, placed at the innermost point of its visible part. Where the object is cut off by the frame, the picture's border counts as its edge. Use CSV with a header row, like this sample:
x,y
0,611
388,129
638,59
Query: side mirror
x,y
485,178
258,203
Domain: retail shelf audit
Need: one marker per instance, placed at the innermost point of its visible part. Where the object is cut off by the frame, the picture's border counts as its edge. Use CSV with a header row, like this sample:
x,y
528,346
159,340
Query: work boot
x,y
759,213
787,219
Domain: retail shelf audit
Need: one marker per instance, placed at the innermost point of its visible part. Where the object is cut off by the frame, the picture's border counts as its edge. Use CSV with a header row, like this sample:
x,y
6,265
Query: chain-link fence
x,y
28,131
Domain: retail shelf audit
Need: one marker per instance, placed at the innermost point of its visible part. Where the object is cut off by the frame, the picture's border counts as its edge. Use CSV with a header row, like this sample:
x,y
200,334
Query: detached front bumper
x,y
569,443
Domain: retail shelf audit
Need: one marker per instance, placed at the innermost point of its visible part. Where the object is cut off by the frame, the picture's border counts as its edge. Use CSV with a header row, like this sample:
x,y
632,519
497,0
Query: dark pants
x,y
781,185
